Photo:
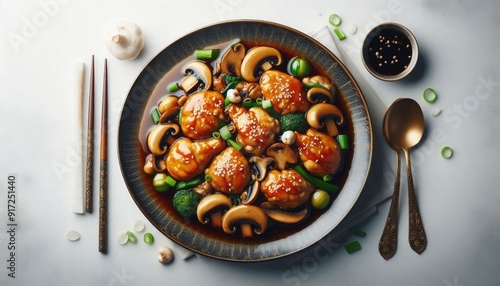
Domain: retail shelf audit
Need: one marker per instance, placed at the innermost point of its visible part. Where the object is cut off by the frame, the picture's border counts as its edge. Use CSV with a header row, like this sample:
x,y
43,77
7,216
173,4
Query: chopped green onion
x,y
148,238
173,87
131,237
249,103
314,84
184,185
334,20
318,183
180,116
207,54
155,115
339,33
225,133
359,233
267,104
216,134
234,144
327,178
170,181
122,238
259,100
447,152
227,102
352,247
430,95
159,182
208,178
139,226
343,141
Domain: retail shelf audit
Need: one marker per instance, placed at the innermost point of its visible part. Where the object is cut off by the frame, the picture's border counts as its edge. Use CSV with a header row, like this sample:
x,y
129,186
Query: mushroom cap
x,y
261,165
125,40
284,216
157,135
211,203
282,154
232,59
315,94
197,73
251,214
255,58
320,111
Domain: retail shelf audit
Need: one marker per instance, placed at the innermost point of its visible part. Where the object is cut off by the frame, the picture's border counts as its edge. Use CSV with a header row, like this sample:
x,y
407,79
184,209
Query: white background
x,y
459,198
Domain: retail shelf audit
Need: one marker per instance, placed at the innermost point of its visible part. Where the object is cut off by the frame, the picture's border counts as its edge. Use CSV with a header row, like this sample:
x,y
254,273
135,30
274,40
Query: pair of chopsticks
x,y
103,174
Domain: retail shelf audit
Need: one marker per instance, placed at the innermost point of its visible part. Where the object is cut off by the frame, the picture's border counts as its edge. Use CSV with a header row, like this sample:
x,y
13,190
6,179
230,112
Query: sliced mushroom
x,y
284,216
198,75
160,136
325,114
282,154
149,167
232,59
251,195
259,60
319,94
260,166
212,207
319,80
168,107
250,219
203,188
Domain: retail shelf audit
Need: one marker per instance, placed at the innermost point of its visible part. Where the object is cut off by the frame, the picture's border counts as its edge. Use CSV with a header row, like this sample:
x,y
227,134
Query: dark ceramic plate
x,y
189,234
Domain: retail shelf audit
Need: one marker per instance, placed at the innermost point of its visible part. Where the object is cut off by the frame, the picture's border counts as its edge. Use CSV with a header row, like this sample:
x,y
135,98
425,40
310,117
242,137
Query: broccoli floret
x,y
185,202
294,122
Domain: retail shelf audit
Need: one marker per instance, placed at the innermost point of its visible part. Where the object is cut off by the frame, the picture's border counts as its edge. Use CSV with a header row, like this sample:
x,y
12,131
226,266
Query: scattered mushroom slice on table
x,y
249,218
325,114
125,41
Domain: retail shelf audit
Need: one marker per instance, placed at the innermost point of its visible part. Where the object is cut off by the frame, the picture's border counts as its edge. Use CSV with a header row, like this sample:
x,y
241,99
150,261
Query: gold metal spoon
x,y
389,240
405,127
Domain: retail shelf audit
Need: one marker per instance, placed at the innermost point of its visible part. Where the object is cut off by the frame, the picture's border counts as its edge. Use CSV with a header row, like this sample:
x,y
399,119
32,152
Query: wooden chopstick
x,y
103,183
90,145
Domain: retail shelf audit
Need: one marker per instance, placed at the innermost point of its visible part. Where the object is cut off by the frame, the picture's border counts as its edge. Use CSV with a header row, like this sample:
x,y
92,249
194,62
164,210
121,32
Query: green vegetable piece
x,y
159,182
446,152
131,237
334,20
317,182
327,178
208,178
188,184
225,133
430,95
155,115
267,104
185,202
339,33
234,144
148,238
170,181
208,54
173,87
343,141
299,67
320,199
294,122
359,233
352,247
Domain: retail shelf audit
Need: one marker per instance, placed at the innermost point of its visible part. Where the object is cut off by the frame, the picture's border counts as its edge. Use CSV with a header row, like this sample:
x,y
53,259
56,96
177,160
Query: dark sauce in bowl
x,y
390,51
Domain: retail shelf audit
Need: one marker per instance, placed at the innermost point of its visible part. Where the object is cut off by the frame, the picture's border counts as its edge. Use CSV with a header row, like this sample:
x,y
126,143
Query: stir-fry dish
x,y
247,139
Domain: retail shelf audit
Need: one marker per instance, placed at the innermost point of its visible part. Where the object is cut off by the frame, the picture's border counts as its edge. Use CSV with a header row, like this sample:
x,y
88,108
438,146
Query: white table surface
x,y
458,198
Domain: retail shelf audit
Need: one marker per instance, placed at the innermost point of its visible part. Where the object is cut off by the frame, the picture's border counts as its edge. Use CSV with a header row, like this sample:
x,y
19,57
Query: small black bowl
x,y
390,51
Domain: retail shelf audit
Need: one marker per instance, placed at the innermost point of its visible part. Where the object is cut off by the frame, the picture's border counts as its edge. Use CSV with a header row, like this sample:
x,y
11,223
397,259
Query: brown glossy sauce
x,y
274,231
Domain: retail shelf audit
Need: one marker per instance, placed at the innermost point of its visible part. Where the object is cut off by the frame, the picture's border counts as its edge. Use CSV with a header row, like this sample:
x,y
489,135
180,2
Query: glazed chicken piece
x,y
319,152
186,158
201,114
285,92
256,128
229,172
286,189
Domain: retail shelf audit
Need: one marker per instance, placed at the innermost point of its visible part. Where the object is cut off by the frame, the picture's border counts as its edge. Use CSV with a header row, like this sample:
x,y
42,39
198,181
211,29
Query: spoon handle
x,y
417,237
389,240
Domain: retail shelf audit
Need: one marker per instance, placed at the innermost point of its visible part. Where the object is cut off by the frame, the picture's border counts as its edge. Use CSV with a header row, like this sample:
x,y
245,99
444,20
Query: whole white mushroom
x,y
125,40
